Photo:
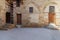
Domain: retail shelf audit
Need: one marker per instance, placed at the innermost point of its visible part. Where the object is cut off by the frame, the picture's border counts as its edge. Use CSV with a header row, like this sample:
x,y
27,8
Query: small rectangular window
x,y
52,9
31,9
18,3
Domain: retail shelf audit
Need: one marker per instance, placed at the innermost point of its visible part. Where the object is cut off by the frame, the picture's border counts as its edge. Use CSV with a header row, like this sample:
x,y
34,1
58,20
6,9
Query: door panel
x,y
51,17
19,18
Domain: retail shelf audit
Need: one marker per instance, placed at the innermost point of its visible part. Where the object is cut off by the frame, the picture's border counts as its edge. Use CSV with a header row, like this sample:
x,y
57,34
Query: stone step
x,y
7,26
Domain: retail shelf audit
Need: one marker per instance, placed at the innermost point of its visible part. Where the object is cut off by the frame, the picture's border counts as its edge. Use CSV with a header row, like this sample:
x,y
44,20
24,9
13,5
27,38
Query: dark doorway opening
x,y
7,17
19,16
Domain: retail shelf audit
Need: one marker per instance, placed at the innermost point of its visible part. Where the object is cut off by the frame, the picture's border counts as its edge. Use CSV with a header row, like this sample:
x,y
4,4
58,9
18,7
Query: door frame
x,y
51,14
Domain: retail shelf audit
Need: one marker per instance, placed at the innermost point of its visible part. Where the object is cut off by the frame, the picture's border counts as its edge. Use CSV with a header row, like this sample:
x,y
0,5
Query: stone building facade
x,y
32,13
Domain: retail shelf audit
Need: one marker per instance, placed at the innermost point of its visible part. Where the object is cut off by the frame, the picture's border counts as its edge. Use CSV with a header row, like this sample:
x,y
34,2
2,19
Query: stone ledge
x,y
32,25
7,26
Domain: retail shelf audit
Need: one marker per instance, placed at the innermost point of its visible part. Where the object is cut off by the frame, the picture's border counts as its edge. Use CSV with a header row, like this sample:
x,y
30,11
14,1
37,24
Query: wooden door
x,y
51,17
19,18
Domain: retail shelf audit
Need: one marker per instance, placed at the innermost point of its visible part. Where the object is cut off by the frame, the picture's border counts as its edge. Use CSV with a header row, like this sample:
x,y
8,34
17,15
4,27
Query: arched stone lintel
x,y
46,4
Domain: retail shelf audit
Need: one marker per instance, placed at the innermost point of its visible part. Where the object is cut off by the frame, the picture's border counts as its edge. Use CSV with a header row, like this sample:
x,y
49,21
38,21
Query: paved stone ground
x,y
30,34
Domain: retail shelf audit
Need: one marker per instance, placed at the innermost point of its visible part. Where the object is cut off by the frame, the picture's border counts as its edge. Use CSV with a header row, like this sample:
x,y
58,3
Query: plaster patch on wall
x,y
34,18
46,15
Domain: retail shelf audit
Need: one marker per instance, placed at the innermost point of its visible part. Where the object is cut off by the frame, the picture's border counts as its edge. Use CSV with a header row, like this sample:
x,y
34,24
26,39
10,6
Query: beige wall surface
x,y
2,12
40,11
39,15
